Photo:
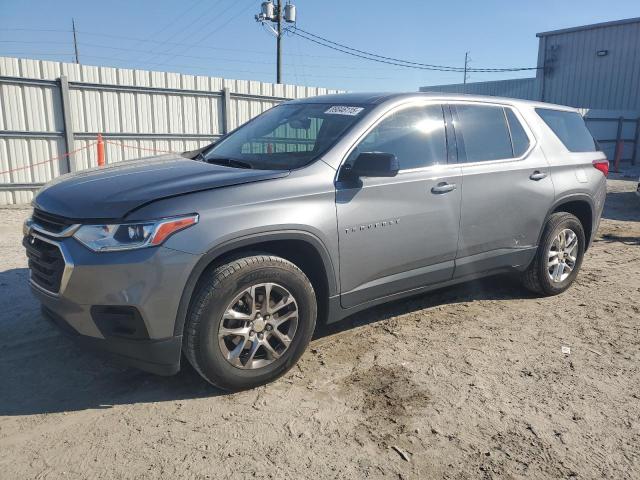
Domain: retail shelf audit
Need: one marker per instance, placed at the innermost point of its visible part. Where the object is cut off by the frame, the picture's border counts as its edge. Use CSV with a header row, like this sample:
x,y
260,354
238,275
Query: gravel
x,y
466,382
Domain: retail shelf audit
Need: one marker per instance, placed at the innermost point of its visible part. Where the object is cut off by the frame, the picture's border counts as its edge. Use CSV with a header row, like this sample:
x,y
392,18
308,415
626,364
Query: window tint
x,y
416,136
518,136
569,127
482,133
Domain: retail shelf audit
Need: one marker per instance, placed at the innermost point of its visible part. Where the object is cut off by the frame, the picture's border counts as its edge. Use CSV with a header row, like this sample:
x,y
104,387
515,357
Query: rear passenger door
x,y
507,189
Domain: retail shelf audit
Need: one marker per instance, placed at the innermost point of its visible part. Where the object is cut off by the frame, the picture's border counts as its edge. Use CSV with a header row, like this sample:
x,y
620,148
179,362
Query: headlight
x,y
128,236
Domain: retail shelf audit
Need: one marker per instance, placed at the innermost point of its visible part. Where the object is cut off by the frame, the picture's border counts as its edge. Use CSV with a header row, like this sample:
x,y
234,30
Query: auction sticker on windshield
x,y
344,110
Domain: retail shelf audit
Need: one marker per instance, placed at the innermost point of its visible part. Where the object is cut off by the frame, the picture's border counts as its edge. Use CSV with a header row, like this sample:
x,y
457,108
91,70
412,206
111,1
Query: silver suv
x,y
314,210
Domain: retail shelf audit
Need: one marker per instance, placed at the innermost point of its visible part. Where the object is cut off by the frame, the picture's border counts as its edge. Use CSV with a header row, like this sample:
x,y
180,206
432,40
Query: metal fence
x,y
48,109
618,138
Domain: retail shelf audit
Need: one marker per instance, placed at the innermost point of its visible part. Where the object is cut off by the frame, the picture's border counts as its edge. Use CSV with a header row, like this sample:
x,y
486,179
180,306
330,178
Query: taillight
x,y
602,165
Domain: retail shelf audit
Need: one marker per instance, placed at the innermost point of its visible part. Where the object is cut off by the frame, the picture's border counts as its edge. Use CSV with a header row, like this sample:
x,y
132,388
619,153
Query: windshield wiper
x,y
229,162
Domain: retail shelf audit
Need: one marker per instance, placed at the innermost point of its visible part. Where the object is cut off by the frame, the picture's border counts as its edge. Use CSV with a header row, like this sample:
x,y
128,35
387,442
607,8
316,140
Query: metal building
x,y
592,67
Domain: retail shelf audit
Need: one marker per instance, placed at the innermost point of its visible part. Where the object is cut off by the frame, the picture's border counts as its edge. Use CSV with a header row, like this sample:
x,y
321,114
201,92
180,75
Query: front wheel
x,y
250,321
559,256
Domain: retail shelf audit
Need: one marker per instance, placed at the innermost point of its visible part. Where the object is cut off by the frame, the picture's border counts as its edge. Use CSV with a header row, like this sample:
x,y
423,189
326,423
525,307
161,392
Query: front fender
x,y
247,241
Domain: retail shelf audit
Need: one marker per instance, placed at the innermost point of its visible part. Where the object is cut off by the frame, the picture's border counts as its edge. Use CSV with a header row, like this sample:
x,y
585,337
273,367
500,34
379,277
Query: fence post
x,y
67,162
636,137
226,110
619,149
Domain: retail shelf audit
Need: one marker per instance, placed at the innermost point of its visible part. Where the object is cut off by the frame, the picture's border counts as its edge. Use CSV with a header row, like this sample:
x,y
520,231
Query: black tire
x,y
536,277
218,287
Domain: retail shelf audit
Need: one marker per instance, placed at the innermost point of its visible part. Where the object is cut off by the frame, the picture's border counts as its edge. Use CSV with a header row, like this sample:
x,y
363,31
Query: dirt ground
x,y
467,382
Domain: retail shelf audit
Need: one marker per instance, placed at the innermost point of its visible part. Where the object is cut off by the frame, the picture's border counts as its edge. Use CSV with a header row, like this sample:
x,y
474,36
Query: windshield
x,y
286,137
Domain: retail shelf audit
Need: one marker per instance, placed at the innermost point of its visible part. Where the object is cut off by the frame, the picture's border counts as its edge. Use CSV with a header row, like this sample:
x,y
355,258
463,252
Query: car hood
x,y
112,192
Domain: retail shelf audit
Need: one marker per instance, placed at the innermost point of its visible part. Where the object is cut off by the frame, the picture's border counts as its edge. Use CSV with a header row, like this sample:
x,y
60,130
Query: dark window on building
x,y
416,136
570,128
519,138
482,133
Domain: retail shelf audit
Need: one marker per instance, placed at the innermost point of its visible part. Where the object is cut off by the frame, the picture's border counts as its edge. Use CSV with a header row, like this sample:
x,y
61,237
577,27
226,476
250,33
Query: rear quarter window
x,y
570,128
519,138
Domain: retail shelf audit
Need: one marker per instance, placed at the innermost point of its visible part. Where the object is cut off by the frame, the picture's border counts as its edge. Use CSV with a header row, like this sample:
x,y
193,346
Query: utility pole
x,y
279,42
466,64
276,13
75,40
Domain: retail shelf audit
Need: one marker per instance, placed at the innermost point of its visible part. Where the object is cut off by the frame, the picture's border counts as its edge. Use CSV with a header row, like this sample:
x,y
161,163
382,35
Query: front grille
x,y
49,222
45,262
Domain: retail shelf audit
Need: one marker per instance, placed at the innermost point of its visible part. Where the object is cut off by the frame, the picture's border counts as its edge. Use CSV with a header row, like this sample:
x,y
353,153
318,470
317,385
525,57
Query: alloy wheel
x,y
562,255
258,326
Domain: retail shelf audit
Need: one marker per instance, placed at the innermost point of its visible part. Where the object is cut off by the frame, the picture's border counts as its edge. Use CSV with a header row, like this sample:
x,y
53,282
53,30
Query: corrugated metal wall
x,y
575,75
524,88
138,112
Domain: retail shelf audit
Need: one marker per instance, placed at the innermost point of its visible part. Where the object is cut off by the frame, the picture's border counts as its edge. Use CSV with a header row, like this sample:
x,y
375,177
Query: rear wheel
x,y
559,256
250,321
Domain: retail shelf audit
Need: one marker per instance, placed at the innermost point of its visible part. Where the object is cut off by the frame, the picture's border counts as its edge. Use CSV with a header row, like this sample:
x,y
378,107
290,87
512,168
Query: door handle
x,y
443,187
537,175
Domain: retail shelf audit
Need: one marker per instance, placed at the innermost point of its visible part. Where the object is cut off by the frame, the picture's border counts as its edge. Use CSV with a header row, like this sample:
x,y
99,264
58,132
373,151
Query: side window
x,y
416,136
570,128
518,136
482,132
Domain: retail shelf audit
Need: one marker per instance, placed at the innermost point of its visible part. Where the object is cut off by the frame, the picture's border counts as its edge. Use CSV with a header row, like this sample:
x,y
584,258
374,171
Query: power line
x,y
189,26
91,45
39,54
370,58
149,40
35,30
225,59
394,61
172,23
192,67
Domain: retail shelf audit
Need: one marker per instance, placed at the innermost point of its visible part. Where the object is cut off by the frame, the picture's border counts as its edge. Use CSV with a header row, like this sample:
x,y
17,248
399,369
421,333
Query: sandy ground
x,y
468,382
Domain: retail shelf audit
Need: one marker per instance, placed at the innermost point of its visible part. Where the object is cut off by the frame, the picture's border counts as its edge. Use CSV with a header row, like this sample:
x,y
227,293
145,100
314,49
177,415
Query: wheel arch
x,y
303,249
579,205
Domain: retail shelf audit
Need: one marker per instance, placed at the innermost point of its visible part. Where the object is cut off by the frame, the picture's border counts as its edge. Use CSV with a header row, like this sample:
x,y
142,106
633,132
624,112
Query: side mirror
x,y
375,164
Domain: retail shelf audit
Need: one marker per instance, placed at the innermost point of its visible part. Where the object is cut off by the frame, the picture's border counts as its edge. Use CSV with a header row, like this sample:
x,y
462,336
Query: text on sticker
x,y
344,110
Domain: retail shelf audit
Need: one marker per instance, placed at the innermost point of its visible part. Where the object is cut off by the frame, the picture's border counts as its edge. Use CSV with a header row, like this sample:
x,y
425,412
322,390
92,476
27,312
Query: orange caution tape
x,y
52,159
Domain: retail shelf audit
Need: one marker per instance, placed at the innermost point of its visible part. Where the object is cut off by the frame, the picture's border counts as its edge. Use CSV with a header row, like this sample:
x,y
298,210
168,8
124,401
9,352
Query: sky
x,y
221,38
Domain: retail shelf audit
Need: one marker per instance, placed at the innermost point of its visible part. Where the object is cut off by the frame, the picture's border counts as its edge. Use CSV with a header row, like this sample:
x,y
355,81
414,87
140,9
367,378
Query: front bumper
x,y
148,282
161,357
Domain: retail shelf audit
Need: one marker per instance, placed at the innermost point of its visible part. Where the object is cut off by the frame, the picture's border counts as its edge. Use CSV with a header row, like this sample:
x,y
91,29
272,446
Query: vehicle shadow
x,y
43,371
498,287
627,240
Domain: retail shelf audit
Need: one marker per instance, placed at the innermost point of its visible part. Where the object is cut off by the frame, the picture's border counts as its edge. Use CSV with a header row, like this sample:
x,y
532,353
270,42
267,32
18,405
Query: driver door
x,y
400,233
